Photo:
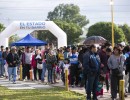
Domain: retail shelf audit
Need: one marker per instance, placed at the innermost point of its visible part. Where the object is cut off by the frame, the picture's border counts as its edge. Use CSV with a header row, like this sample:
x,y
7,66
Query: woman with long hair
x,y
116,66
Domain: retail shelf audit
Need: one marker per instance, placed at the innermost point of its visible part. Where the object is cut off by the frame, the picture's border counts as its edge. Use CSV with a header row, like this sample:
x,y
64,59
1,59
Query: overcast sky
x,y
95,10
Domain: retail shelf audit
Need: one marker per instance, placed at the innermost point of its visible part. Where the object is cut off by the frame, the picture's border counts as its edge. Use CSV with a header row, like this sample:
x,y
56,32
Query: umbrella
x,y
94,40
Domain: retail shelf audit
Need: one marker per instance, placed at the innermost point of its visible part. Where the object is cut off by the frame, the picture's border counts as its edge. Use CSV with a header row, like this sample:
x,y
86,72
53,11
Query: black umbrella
x,y
94,40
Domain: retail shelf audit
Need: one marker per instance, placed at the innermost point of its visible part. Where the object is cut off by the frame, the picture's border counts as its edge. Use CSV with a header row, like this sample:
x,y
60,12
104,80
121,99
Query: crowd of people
x,y
90,67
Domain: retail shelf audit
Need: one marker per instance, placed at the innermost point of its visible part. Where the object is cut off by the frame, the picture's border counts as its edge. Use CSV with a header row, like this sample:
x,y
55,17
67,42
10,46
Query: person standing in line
x,y
91,66
74,76
50,60
1,62
34,65
27,63
61,58
66,52
126,51
22,59
66,66
116,66
104,68
12,60
44,55
61,62
4,55
38,59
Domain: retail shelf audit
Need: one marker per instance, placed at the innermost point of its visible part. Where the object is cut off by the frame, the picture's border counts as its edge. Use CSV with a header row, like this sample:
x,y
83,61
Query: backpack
x,y
127,63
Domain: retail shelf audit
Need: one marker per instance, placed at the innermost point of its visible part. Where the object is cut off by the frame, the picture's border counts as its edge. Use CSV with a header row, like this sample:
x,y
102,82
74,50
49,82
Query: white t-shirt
x,y
28,58
66,67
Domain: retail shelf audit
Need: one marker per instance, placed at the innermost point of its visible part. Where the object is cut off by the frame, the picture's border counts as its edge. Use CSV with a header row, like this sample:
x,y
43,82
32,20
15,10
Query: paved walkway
x,y
22,84
106,96
37,85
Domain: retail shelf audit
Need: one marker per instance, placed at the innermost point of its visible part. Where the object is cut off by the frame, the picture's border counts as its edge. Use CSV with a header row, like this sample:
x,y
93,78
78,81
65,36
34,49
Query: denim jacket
x,y
91,63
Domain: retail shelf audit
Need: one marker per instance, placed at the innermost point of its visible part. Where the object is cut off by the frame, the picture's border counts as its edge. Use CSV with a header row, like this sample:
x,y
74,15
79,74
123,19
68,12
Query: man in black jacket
x,y
12,60
91,66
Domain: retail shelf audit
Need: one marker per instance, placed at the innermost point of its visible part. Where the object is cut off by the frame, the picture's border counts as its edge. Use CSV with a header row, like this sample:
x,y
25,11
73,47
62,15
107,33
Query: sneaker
x,y
6,77
14,82
72,86
9,81
113,98
126,95
94,99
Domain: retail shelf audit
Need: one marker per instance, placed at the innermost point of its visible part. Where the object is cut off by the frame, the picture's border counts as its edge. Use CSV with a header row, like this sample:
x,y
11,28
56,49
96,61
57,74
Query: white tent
x,y
34,25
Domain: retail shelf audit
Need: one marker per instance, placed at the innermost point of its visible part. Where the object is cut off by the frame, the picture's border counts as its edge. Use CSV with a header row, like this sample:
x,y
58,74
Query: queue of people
x,y
90,67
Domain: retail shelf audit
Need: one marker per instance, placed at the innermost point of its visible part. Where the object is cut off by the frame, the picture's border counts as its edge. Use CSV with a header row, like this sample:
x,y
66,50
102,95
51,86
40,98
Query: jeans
x,y
1,68
129,83
126,77
12,72
54,74
92,84
50,75
6,69
43,72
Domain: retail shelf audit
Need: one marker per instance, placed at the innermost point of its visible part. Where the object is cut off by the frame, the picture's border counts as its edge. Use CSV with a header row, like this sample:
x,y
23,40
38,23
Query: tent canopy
x,y
29,41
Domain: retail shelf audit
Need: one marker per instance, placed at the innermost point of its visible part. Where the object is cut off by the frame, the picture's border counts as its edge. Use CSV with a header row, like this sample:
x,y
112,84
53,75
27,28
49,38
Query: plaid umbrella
x,y
94,40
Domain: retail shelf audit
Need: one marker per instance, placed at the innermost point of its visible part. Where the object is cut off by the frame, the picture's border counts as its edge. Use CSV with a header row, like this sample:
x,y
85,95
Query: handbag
x,y
39,66
117,71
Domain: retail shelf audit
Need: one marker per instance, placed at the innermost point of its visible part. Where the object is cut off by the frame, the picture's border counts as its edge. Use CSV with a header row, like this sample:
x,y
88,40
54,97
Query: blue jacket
x,y
91,63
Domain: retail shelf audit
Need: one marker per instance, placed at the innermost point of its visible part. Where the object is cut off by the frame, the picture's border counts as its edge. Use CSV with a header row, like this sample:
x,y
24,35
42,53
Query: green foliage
x,y
46,36
69,13
69,19
73,32
1,27
126,30
104,29
13,38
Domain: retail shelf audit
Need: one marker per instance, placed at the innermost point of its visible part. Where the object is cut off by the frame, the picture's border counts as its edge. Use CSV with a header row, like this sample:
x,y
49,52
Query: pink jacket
x,y
33,62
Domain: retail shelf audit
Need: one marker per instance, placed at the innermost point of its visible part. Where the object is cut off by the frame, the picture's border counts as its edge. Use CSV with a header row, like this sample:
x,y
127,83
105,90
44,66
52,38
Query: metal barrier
x,y
21,73
66,80
121,90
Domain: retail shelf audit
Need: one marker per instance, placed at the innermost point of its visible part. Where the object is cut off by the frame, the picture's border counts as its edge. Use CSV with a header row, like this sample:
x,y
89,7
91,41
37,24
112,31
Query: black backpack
x,y
127,63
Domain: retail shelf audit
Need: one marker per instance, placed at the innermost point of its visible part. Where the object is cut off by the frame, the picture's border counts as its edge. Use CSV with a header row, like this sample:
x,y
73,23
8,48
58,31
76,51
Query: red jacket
x,y
33,62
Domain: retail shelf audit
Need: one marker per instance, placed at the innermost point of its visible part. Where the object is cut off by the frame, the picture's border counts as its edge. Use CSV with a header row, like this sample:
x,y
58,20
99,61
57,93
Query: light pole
x,y
112,19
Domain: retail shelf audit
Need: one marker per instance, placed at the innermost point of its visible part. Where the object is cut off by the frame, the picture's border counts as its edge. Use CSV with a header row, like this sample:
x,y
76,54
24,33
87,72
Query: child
x,y
100,86
58,71
66,66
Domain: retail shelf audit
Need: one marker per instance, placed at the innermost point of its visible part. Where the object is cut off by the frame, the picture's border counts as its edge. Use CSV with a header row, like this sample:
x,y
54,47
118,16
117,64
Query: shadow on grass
x,y
39,94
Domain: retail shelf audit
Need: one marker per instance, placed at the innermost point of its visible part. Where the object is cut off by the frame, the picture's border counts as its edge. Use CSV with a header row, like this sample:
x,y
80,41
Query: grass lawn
x,y
39,94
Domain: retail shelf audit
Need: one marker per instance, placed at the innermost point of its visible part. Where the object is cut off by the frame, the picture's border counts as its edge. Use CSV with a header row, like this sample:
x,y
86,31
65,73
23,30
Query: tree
x,y
69,19
68,13
46,36
72,30
104,29
1,27
13,38
126,30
